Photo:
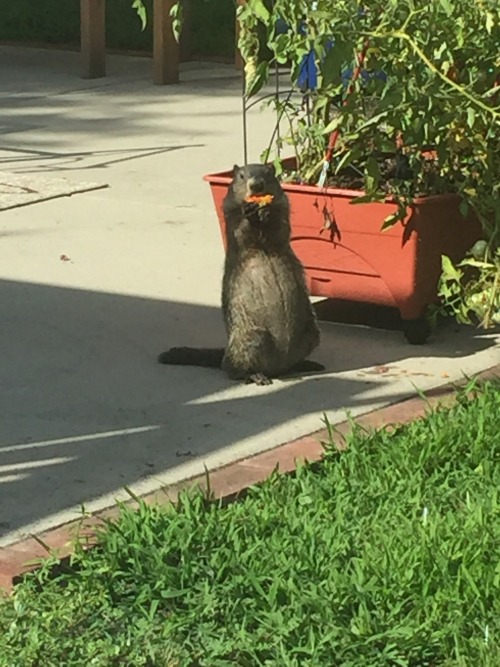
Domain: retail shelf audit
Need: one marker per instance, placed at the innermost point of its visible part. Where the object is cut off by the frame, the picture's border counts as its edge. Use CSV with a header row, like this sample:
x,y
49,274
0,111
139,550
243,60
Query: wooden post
x,y
238,60
165,46
93,38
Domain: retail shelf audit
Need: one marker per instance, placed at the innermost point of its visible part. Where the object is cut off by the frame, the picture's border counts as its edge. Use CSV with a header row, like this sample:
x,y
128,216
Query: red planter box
x,y
354,259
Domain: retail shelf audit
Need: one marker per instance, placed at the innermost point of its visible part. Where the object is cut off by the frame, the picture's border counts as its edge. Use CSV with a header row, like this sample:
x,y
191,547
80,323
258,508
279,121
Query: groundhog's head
x,y
255,181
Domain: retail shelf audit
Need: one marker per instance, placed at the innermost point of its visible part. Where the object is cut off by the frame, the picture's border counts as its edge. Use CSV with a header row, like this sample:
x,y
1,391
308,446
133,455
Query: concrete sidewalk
x,y
85,408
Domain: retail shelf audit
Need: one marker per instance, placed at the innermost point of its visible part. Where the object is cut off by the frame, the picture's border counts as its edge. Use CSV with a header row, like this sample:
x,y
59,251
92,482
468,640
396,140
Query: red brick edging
x,y
225,482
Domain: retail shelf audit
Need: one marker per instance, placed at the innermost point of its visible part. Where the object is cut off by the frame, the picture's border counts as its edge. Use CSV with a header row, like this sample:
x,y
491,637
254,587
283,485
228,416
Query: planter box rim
x,y
225,177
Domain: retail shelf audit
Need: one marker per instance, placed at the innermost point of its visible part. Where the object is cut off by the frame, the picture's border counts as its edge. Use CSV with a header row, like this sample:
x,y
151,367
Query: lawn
x,y
386,554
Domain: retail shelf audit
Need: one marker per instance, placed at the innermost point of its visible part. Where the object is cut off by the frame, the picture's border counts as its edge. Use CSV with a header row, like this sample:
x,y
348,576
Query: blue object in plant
x,y
366,75
281,27
308,73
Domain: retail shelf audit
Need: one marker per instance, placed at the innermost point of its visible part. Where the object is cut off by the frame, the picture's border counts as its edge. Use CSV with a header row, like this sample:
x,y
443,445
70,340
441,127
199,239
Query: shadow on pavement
x,y
67,161
86,409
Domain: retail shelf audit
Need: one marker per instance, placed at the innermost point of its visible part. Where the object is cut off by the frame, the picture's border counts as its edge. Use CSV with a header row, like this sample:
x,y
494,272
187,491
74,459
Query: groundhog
x,y
270,323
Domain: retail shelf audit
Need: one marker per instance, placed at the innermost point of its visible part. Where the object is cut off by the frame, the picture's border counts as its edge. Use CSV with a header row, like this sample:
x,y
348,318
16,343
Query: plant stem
x,y
294,140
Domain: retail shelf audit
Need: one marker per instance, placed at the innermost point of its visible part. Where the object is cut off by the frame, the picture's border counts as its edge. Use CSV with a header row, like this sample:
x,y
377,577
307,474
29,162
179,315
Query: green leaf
x,y
367,198
471,117
447,6
278,166
449,270
334,124
477,263
464,208
141,12
375,120
479,249
176,12
372,174
172,593
490,22
153,608
391,220
260,10
258,79
332,64
444,290
345,160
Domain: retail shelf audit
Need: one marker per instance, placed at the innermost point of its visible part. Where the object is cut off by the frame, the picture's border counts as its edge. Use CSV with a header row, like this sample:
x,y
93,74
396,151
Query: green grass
x,y
384,555
58,22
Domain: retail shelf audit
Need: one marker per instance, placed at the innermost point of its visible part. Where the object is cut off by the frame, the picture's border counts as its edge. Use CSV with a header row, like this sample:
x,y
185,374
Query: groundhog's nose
x,y
257,186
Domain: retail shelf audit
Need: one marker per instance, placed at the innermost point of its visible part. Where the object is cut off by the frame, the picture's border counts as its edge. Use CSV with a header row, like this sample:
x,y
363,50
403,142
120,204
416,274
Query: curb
x,y
226,482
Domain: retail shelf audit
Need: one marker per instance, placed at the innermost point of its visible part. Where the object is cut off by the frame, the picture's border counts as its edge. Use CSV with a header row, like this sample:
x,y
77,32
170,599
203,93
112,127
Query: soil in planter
x,y
395,176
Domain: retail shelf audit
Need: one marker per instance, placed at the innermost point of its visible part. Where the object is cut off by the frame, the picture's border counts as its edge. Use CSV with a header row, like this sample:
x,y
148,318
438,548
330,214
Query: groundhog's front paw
x,y
250,210
263,214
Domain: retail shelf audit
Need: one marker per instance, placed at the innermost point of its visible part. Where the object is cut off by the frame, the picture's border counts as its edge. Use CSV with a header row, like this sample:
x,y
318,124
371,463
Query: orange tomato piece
x,y
262,200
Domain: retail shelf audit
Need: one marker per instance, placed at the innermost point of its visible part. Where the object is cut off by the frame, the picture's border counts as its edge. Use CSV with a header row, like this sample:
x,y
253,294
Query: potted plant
x,y
394,139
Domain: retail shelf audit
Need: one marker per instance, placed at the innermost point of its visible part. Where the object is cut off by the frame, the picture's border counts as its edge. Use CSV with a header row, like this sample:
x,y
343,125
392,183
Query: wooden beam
x,y
165,46
93,38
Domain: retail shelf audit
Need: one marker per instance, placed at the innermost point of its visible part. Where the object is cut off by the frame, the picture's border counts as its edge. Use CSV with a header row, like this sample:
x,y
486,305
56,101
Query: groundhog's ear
x,y
235,169
272,168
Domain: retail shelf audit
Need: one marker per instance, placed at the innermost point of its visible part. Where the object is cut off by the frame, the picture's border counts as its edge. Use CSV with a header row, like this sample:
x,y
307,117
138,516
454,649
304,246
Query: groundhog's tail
x,y
307,366
192,356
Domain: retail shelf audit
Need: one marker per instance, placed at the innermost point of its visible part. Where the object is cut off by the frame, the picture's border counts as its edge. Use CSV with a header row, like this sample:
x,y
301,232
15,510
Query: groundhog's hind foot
x,y
259,379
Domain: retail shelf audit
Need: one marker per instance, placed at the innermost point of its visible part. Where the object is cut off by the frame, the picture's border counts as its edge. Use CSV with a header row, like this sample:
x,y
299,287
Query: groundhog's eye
x,y
242,176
